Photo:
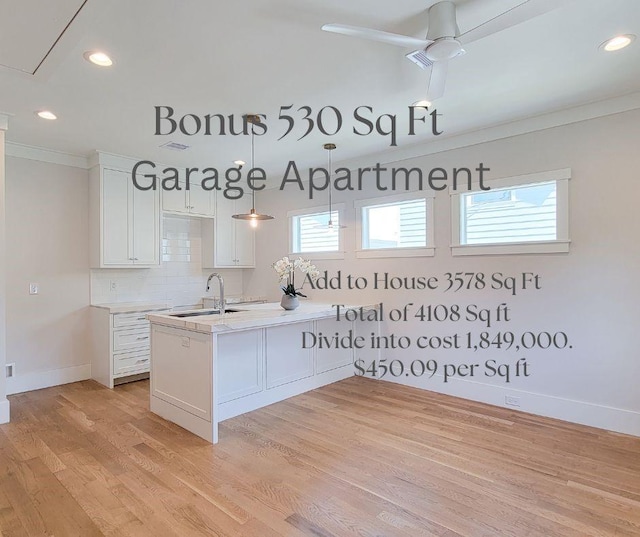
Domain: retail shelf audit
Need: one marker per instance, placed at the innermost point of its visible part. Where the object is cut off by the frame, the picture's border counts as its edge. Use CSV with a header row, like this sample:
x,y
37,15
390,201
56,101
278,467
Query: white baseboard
x,y
46,379
4,411
599,416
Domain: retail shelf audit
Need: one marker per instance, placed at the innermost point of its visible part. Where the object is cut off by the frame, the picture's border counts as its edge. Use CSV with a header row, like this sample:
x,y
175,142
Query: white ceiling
x,y
30,28
228,57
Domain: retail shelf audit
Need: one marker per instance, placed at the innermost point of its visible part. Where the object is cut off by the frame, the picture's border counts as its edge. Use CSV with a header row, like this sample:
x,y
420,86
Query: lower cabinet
x,y
240,365
328,359
121,346
259,367
286,360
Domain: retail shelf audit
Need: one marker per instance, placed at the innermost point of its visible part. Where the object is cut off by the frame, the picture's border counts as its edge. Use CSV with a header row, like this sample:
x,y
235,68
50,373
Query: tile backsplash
x,y
180,279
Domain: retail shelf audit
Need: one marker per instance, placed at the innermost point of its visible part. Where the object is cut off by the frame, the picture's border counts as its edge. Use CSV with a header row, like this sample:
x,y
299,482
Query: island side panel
x,y
182,379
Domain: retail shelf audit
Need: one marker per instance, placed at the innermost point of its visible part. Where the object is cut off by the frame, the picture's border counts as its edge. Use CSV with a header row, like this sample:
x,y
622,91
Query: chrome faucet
x,y
221,305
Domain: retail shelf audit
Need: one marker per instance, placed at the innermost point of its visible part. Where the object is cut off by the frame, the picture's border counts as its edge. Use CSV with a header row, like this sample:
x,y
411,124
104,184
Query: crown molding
x,y
41,154
501,131
566,116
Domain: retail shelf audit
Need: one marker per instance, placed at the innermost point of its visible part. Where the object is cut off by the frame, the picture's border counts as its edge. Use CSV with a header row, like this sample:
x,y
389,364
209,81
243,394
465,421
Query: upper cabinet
x,y
193,202
125,221
230,243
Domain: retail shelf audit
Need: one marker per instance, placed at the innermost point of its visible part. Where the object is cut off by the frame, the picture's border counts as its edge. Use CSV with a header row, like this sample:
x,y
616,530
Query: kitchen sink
x,y
200,313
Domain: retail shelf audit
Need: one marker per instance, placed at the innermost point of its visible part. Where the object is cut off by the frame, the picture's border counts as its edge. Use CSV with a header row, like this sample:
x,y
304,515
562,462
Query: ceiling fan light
x,y
422,104
617,43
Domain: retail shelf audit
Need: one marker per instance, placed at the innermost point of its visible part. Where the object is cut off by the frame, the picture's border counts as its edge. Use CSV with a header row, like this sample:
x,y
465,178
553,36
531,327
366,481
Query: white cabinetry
x,y
286,360
193,202
328,359
230,243
124,220
121,345
182,372
262,366
240,365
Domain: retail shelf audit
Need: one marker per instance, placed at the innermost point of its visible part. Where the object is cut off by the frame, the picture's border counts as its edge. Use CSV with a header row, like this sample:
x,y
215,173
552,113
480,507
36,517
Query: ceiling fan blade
x,y
377,35
437,80
524,11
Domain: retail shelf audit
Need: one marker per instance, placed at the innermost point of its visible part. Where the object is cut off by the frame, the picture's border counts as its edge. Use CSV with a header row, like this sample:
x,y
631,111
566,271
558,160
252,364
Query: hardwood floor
x,y
358,457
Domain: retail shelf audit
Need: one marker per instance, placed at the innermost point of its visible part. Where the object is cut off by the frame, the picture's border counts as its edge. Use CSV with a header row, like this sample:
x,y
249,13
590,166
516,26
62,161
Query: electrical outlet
x,y
511,400
113,286
11,369
34,288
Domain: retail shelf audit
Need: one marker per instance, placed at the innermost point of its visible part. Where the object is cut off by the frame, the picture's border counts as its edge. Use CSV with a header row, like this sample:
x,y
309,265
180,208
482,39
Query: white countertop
x,y
132,307
251,316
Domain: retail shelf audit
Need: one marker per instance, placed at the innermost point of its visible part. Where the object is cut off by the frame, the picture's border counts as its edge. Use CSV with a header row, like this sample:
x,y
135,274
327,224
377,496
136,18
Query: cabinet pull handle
x,y
142,338
141,319
142,361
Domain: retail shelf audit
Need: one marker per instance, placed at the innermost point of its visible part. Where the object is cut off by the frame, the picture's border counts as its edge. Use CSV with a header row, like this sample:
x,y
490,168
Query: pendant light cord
x,y
253,150
330,188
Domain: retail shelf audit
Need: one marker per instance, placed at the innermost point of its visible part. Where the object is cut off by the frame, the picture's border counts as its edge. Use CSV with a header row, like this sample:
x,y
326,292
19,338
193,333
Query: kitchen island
x,y
206,368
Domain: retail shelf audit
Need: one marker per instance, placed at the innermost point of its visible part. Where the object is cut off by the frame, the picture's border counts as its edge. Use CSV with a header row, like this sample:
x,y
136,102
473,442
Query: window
x,y
396,226
525,214
316,233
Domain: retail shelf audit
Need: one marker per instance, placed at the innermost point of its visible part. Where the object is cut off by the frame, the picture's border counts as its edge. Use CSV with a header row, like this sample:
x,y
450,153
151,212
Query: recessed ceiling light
x,y
239,163
98,58
617,43
423,103
46,114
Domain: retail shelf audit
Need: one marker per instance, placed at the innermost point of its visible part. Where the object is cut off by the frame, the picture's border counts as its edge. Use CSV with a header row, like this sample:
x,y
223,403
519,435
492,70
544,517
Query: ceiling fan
x,y
444,40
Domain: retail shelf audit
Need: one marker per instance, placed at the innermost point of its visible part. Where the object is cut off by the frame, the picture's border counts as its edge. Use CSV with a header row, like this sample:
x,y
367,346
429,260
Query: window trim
x,y
560,245
376,253
338,254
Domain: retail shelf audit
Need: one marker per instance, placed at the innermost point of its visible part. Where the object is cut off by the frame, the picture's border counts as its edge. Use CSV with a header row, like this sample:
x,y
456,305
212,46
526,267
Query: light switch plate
x,y
34,288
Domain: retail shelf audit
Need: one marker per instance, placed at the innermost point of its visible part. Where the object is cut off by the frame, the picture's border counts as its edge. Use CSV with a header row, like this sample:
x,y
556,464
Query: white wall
x,y
4,404
47,243
592,293
180,280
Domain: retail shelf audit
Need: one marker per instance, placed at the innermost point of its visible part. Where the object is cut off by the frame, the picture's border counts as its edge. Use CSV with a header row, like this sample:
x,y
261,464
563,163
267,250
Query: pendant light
x,y
253,217
331,224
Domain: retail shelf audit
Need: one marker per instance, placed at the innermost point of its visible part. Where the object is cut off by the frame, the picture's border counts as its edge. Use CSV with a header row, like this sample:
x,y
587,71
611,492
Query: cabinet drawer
x,y
126,340
130,320
131,363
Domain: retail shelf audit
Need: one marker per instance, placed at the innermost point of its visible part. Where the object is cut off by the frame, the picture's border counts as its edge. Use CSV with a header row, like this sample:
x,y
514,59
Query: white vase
x,y
289,302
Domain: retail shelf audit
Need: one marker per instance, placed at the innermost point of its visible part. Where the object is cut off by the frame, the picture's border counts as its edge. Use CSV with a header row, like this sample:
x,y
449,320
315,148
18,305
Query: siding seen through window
x,y
395,225
525,213
311,233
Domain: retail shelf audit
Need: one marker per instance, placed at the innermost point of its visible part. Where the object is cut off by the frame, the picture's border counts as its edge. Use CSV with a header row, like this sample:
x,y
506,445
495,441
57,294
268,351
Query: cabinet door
x,y
224,233
286,360
239,358
245,236
146,226
116,218
201,201
327,359
175,201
